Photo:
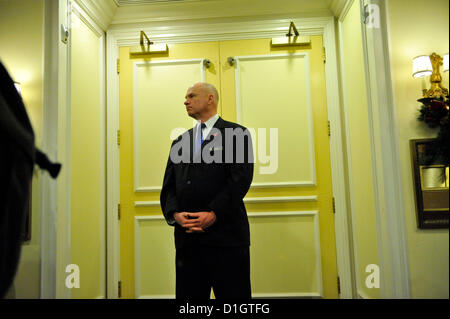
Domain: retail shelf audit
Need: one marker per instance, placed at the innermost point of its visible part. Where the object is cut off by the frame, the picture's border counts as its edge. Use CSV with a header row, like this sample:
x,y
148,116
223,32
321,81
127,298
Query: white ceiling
x,y
122,3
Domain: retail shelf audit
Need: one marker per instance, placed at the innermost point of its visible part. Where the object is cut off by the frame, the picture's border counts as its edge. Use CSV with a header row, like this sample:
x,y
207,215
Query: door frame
x,y
386,170
55,195
56,140
388,190
231,29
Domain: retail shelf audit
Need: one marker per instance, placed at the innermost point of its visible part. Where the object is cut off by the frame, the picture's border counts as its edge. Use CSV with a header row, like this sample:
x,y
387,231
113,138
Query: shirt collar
x,y
212,120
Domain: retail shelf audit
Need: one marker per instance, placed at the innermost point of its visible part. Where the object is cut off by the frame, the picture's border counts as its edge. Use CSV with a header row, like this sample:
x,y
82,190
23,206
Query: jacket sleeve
x,y
168,198
240,176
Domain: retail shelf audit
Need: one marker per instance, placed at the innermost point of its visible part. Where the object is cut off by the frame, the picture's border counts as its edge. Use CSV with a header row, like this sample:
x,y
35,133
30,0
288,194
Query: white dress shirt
x,y
209,125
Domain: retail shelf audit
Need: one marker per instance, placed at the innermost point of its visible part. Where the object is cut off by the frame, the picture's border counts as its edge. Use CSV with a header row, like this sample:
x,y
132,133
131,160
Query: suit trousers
x,y
224,269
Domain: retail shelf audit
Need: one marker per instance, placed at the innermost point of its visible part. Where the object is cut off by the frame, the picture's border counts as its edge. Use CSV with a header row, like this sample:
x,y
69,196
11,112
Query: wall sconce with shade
x,y
430,157
424,65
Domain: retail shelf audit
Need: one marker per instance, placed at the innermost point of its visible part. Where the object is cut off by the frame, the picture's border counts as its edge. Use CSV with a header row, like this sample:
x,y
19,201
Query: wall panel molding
x,y
136,138
274,294
247,200
152,189
239,113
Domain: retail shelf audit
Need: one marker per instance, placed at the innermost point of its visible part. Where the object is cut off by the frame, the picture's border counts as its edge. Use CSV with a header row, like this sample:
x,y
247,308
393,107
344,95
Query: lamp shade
x,y
422,66
446,63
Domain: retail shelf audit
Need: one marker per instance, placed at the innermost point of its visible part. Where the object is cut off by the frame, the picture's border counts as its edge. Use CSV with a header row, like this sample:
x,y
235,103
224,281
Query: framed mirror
x,y
431,181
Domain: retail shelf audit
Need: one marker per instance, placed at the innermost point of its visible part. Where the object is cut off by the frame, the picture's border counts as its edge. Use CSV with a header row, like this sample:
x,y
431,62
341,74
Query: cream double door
x,y
280,96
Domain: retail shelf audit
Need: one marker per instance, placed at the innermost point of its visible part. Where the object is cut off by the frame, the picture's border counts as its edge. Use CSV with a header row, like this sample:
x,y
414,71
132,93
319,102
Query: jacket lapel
x,y
219,125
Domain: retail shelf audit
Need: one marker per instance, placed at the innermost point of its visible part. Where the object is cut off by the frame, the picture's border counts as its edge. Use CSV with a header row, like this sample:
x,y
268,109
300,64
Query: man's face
x,y
197,101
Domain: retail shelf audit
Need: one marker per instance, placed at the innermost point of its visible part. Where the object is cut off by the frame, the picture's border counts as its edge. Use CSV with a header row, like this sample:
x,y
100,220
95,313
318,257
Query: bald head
x,y
208,89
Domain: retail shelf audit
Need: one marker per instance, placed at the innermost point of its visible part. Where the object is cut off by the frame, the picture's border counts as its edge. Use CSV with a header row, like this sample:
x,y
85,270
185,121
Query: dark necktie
x,y
199,139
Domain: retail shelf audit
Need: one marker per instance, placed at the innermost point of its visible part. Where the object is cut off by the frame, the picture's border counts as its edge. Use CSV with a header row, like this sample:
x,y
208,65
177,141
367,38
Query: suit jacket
x,y
216,181
18,155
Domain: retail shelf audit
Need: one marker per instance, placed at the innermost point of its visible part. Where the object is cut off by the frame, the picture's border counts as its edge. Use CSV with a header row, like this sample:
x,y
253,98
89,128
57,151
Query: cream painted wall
x,y
359,152
420,27
21,51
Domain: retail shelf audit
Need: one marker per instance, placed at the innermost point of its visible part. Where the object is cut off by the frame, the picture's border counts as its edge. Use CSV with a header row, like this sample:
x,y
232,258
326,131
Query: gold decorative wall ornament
x,y
437,90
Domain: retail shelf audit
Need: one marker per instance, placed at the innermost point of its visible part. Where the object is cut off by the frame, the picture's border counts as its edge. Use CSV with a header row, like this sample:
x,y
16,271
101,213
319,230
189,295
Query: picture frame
x,y
431,186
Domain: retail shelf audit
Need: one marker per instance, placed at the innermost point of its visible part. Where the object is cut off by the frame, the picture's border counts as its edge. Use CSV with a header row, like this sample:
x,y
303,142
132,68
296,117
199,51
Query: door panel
x,y
158,114
155,258
152,93
287,93
291,220
283,112
284,245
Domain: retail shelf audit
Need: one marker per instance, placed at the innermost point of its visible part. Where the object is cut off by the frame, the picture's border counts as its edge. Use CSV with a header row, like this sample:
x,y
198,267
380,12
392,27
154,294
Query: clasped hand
x,y
195,222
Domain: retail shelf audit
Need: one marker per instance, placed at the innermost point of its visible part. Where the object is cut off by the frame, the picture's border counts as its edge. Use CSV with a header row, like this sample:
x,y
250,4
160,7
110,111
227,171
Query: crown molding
x,y
123,3
217,9
337,6
219,19
218,29
345,9
101,12
121,20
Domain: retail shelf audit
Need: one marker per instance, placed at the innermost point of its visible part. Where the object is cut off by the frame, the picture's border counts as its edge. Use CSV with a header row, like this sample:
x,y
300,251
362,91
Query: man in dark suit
x,y
209,171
